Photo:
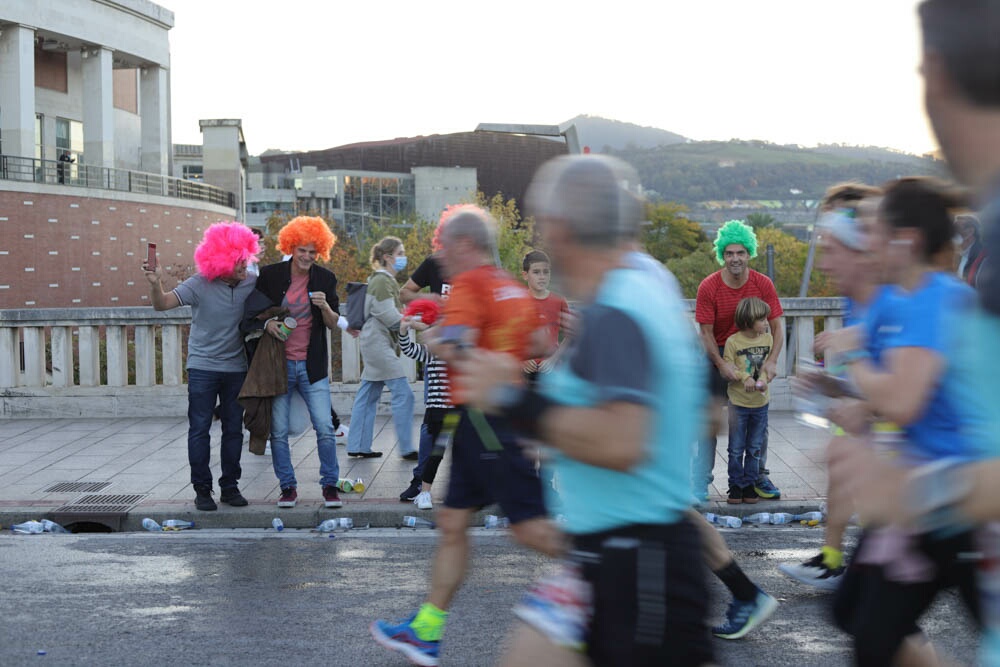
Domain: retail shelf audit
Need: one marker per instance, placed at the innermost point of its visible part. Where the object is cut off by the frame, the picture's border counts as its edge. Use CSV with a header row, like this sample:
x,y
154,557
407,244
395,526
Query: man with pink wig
x,y
309,292
216,361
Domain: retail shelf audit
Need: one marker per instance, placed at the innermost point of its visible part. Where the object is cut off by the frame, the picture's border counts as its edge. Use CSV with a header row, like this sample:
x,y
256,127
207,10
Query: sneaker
x,y
402,638
749,494
232,496
766,490
330,497
341,434
742,617
410,456
412,491
814,572
203,498
423,501
288,497
735,495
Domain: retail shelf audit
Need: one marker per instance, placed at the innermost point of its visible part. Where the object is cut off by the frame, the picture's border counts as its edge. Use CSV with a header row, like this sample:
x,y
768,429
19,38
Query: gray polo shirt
x,y
215,343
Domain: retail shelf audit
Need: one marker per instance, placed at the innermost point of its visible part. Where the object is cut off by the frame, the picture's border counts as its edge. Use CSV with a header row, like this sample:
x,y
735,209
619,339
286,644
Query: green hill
x,y
702,171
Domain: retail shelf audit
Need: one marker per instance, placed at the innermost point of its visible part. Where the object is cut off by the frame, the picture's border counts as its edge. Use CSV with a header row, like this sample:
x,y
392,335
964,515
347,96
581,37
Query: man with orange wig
x,y
309,292
216,362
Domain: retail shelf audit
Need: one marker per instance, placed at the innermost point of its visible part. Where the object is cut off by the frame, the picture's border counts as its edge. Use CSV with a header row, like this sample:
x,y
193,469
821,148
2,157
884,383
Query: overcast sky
x,y
312,74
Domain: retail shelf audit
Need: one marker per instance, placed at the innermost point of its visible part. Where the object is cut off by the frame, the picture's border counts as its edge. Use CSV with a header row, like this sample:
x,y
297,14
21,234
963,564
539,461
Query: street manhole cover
x,y
77,487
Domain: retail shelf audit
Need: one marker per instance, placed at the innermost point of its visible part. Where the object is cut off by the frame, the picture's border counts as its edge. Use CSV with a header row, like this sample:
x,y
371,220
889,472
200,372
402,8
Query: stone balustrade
x,y
120,361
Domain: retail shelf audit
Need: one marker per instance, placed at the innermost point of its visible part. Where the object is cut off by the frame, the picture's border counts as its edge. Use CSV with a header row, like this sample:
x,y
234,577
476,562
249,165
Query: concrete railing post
x,y
172,362
145,356
10,363
90,356
350,358
62,356
34,356
117,356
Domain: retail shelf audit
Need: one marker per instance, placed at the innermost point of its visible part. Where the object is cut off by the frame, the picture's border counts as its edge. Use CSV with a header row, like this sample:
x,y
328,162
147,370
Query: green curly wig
x,y
735,231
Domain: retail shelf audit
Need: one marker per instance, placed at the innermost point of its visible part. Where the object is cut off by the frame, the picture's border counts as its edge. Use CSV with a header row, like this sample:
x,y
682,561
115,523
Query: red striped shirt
x,y
716,302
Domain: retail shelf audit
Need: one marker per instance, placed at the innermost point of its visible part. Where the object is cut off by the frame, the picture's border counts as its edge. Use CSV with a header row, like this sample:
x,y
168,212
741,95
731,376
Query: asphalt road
x,y
254,597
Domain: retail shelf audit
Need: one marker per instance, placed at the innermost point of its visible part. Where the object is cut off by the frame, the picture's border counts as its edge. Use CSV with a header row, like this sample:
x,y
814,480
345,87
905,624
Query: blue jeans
x,y
423,451
747,431
317,398
204,387
359,438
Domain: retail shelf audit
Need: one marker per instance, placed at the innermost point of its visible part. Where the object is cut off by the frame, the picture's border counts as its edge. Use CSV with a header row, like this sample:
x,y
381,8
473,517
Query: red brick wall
x,y
75,251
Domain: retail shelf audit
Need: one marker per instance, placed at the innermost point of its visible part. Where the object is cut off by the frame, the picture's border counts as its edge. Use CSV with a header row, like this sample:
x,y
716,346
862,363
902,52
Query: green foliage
x,y
754,170
516,235
691,269
670,234
760,220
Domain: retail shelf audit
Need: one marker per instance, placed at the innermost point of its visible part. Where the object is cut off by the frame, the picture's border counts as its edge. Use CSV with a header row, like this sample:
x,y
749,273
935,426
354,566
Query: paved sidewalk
x,y
149,456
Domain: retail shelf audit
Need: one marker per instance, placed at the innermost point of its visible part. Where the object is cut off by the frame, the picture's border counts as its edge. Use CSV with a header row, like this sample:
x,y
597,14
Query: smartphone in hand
x,y
151,256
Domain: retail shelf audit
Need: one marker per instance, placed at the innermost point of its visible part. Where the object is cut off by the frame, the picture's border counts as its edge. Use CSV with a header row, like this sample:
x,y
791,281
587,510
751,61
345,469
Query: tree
x,y
670,234
789,263
694,267
515,235
760,220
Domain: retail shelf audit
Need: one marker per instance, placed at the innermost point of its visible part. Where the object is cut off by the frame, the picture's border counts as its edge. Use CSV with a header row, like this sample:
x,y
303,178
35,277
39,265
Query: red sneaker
x,y
288,497
330,497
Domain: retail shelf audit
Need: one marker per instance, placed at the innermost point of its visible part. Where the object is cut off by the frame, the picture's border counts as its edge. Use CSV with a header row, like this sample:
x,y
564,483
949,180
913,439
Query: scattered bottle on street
x,y
359,485
328,526
346,522
724,521
52,527
758,518
28,528
277,524
417,522
177,524
494,521
809,516
778,518
151,525
345,485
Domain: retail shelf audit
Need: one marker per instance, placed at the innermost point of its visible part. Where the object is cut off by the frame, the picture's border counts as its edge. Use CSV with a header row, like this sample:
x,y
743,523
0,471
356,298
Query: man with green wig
x,y
715,312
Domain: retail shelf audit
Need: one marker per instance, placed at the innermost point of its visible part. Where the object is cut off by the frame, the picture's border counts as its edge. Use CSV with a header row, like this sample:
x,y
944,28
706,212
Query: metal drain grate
x,y
96,503
77,487
108,510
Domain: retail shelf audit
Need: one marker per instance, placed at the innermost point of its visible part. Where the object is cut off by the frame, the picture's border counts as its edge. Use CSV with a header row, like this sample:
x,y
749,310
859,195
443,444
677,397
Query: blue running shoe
x,y
742,617
765,489
402,638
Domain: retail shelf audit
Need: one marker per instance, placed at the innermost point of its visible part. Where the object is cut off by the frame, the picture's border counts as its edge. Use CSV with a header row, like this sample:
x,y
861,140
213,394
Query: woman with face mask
x,y
380,353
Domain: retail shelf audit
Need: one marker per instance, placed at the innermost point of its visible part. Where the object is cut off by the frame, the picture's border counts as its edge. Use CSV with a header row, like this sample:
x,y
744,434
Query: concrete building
x,y
354,198
88,81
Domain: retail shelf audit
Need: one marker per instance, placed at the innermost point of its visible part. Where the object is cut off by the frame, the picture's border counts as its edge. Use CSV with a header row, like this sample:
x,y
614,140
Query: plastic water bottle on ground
x,y
809,516
28,528
758,518
177,524
151,525
346,522
52,527
345,485
417,522
779,518
277,524
494,521
724,521
328,526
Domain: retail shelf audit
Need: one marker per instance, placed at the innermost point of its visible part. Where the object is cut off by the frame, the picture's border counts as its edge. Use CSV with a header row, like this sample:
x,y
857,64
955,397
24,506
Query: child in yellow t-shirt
x,y
746,350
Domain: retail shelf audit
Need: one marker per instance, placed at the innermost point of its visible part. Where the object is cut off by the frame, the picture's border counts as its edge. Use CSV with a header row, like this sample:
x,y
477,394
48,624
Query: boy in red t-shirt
x,y
536,271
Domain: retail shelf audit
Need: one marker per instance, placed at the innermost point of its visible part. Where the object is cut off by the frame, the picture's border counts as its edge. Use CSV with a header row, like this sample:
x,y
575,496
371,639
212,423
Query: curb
x,y
310,514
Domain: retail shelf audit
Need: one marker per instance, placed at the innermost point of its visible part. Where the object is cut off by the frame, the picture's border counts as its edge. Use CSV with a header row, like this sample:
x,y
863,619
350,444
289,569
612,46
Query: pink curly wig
x,y
302,231
445,216
224,245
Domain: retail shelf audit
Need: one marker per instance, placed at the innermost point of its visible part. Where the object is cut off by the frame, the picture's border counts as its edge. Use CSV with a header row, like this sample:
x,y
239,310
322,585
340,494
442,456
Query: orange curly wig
x,y
302,231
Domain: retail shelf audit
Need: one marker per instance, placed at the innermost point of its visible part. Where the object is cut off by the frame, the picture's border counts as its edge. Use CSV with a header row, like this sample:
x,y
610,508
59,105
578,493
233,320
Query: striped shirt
x,y
435,375
716,302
